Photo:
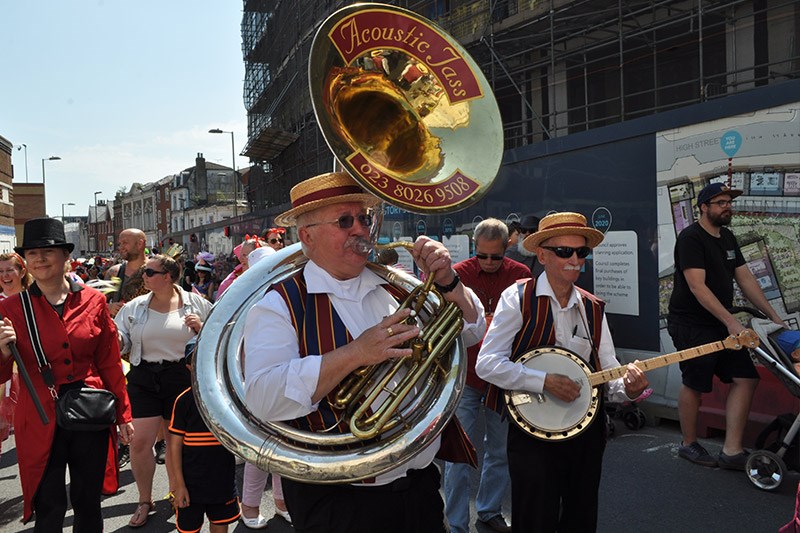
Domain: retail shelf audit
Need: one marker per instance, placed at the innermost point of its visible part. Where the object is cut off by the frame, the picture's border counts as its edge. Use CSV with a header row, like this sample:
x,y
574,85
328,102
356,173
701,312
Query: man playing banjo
x,y
554,483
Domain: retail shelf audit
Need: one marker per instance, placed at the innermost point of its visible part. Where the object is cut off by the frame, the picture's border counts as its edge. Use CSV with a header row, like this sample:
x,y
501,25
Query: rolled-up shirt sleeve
x,y
494,364
472,333
279,383
122,320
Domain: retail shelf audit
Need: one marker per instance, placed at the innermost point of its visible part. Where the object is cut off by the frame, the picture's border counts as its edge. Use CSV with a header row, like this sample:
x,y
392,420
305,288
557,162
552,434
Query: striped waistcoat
x,y
319,331
539,330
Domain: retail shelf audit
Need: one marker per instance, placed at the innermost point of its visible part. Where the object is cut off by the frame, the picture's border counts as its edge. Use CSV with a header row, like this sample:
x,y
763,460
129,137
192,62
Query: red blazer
x,y
81,344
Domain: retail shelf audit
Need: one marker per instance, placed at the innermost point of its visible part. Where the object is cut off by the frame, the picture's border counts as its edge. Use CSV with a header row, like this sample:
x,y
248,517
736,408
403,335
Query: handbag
x,y
78,408
86,409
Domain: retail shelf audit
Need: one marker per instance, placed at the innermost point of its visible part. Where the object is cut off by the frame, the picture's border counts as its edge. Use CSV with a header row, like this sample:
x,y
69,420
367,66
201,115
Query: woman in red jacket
x,y
78,338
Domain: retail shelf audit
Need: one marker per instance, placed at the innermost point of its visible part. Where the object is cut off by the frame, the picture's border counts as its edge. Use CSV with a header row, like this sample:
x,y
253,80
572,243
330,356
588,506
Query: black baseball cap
x,y
712,190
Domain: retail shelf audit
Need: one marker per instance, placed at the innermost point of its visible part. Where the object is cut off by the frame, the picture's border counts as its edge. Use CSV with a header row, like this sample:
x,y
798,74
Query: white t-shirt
x,y
164,336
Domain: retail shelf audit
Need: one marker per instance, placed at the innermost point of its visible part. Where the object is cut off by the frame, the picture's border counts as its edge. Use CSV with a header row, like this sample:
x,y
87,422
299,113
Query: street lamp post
x,y
62,210
95,220
20,147
235,175
51,158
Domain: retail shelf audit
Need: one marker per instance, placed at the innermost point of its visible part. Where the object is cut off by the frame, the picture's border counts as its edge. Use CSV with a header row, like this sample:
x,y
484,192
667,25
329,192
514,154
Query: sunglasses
x,y
526,230
273,240
149,272
565,252
489,256
346,221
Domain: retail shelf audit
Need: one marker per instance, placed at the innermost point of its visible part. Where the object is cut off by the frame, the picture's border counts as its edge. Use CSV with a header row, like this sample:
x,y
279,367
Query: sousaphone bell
x,y
408,113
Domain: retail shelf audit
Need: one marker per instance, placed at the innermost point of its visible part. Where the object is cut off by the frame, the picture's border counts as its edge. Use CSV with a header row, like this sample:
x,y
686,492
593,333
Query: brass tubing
x,y
381,417
353,385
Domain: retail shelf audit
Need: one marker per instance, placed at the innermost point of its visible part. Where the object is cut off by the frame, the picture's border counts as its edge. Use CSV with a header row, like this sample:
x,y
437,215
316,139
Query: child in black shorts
x,y
203,470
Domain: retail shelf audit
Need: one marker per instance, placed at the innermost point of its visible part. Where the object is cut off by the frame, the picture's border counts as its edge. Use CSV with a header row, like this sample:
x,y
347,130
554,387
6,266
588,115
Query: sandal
x,y
142,513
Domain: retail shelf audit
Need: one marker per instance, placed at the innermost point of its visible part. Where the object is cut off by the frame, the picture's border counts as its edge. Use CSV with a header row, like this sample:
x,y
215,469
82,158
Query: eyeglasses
x,y
565,252
493,257
723,203
273,240
526,230
346,221
149,272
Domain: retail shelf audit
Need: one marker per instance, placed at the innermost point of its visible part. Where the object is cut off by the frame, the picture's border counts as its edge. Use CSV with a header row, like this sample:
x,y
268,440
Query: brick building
x,y
7,233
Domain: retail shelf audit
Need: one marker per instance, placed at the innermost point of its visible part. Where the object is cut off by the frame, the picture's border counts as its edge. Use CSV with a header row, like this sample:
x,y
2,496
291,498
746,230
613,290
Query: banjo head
x,y
544,416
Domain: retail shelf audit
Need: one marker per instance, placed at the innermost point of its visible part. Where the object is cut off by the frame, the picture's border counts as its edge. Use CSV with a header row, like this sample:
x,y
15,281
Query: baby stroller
x,y
777,445
628,412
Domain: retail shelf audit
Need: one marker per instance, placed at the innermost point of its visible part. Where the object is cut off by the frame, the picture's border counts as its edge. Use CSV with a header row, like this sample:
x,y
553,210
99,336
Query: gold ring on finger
x,y
390,331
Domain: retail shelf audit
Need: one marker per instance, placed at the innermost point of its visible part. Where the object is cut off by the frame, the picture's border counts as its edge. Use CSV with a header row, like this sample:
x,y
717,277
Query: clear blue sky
x,y
122,91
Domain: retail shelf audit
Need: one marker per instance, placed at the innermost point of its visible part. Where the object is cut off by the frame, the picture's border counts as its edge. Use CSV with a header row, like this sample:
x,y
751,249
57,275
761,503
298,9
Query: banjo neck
x,y
746,339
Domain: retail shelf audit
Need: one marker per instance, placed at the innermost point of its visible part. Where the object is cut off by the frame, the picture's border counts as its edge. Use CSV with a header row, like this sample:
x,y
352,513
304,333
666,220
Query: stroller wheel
x,y
634,419
765,469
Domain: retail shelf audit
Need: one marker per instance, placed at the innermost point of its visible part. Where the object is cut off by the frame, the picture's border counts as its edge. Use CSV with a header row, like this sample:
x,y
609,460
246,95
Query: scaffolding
x,y
557,67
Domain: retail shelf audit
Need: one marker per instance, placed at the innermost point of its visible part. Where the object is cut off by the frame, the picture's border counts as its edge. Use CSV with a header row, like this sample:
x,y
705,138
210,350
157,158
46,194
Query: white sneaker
x,y
254,523
284,514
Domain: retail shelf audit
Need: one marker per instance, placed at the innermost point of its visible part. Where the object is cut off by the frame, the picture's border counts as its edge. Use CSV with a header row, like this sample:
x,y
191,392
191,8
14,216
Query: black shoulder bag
x,y
78,408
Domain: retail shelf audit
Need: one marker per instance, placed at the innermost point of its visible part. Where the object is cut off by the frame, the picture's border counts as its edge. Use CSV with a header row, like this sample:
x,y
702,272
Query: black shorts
x,y
153,387
190,519
698,373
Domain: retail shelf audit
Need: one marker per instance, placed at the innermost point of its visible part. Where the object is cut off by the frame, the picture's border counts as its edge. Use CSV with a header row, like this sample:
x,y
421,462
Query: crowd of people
x,y
310,331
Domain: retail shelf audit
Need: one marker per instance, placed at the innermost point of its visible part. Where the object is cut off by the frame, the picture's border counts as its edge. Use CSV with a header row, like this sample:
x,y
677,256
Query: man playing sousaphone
x,y
554,484
311,331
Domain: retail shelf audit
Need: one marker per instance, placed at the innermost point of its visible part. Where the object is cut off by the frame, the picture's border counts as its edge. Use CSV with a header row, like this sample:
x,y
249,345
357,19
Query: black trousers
x,y
407,505
554,485
84,452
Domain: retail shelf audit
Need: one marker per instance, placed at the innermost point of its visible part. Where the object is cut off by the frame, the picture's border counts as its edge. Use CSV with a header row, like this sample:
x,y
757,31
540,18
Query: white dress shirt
x,y
495,366
279,383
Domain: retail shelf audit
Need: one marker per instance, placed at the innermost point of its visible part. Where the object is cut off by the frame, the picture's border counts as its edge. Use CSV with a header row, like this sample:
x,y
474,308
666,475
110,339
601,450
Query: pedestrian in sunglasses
x,y
487,274
154,329
275,238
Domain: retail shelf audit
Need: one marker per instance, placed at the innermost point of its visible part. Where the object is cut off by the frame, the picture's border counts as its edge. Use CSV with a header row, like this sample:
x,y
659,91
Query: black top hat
x,y
43,233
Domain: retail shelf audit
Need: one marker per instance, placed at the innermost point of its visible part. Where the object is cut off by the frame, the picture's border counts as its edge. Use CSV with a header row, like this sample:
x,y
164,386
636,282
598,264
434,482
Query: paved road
x,y
645,487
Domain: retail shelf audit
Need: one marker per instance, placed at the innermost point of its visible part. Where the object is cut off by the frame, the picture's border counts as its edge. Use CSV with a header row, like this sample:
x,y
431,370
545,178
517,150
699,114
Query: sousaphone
x,y
410,116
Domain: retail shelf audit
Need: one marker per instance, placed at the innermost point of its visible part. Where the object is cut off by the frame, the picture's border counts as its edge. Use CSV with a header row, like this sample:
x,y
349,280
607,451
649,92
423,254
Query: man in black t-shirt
x,y
707,261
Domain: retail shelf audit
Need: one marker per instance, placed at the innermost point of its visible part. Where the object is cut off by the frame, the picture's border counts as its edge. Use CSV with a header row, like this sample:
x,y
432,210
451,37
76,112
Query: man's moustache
x,y
359,245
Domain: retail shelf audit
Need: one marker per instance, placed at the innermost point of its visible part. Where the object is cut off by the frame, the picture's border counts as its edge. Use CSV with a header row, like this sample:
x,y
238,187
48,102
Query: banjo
x,y
545,417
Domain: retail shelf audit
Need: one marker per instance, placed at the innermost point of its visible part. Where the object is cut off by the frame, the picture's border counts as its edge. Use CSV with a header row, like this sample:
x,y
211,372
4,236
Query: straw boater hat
x,y
322,190
559,224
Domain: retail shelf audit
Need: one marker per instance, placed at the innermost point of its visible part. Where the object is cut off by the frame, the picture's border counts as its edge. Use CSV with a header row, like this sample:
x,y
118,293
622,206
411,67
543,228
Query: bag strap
x,y
123,279
33,331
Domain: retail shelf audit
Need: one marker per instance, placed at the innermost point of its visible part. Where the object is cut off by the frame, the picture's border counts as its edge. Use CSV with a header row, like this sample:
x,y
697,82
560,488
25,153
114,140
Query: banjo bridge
x,y
521,398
